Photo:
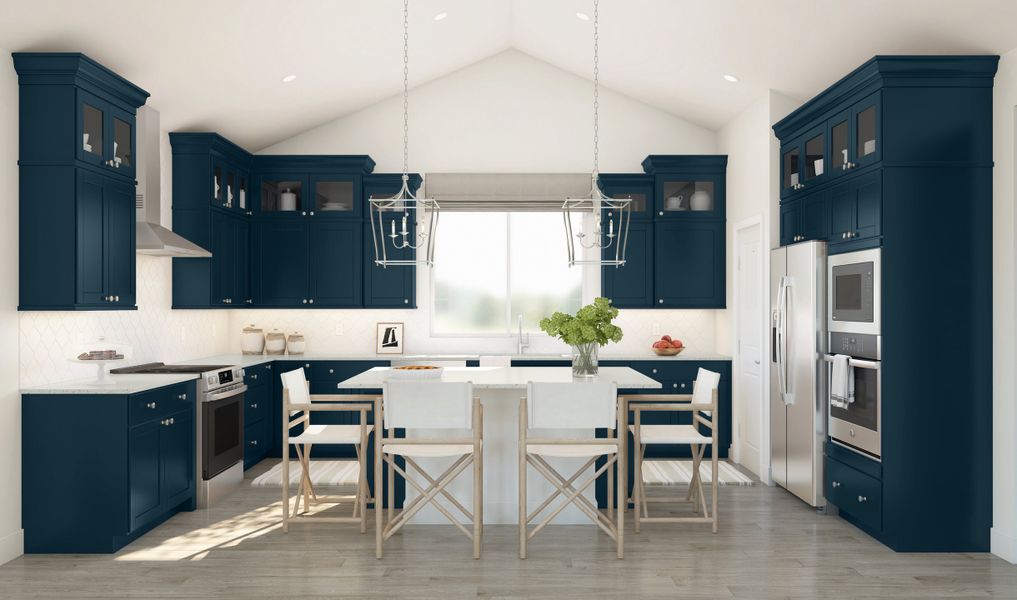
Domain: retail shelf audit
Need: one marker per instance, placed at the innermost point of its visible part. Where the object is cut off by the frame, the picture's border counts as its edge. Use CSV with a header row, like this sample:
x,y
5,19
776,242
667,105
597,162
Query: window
x,y
491,267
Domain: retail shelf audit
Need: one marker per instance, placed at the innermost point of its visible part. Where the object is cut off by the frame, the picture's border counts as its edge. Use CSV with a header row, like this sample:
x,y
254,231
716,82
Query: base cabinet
x,y
98,474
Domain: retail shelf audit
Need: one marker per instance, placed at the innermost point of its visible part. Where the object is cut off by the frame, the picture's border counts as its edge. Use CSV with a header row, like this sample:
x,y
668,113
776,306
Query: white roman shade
x,y
505,192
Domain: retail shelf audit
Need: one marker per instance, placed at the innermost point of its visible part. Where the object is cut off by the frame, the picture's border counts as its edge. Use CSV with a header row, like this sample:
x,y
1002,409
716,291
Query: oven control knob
x,y
851,432
211,380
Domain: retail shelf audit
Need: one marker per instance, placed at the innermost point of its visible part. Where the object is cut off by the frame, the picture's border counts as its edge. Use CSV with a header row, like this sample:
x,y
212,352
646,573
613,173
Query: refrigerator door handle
x,y
782,348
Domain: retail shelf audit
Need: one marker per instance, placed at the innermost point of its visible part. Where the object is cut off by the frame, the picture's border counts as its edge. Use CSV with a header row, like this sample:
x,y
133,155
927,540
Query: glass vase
x,y
584,360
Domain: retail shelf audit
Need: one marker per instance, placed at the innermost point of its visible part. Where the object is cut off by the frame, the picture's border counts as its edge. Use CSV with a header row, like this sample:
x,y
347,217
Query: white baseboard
x,y
1003,545
12,545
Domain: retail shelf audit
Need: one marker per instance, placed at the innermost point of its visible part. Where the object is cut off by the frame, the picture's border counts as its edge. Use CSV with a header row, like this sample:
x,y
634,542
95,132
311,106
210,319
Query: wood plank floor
x,y
770,545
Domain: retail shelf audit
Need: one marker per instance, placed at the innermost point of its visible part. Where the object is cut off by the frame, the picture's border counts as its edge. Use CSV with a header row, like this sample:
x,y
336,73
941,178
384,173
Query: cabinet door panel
x,y
391,287
223,260
631,285
866,131
790,222
281,263
816,217
93,115
143,446
242,265
842,208
335,259
120,249
689,264
121,144
91,226
868,206
176,458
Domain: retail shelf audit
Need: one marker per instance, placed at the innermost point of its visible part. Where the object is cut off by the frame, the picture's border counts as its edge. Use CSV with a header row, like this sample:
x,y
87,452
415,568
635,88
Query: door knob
x,y
311,301
836,484
151,405
862,499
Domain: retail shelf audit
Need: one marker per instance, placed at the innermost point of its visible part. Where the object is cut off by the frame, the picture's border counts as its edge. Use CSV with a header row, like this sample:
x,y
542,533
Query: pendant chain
x,y
406,88
596,87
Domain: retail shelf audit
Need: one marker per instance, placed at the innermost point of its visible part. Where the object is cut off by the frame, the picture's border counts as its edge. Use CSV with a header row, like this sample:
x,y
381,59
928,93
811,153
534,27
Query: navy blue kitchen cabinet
x,y
281,270
689,264
631,285
675,253
76,199
257,407
910,156
127,461
856,210
321,187
688,186
791,222
396,286
211,206
336,264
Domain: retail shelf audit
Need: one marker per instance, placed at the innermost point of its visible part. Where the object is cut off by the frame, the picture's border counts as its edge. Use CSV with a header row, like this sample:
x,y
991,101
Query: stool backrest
x,y
702,390
295,384
428,404
576,405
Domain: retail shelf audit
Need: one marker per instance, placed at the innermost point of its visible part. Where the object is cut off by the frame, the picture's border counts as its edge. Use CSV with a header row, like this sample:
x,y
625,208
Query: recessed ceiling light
x,y
731,78
440,16
582,16
288,78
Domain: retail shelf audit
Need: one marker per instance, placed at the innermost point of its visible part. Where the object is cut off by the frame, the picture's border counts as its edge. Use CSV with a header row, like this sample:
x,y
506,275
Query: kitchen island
x,y
499,390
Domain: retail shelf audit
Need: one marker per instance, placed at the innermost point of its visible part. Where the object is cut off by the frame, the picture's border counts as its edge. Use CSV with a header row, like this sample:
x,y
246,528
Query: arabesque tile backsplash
x,y
155,332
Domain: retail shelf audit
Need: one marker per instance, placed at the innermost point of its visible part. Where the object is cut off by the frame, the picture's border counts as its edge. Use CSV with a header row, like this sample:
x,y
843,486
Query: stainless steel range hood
x,y
152,237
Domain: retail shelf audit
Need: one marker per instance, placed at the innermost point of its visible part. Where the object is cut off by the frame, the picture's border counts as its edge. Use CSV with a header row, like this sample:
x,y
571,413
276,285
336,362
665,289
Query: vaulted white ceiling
x,y
218,64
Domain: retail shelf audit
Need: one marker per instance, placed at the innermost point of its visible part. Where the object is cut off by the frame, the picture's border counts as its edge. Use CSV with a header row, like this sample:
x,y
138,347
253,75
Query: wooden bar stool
x,y
575,406
430,405
702,403
298,404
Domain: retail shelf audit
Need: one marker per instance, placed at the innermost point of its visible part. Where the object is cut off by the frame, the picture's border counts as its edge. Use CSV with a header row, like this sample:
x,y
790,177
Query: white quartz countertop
x,y
132,384
510,377
119,384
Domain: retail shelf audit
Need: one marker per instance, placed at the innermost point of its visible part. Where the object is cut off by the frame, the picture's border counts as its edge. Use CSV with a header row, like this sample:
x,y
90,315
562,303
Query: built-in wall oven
x,y
856,422
854,296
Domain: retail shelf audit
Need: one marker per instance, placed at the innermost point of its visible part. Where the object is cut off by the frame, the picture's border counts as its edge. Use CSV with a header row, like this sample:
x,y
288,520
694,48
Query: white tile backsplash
x,y
154,332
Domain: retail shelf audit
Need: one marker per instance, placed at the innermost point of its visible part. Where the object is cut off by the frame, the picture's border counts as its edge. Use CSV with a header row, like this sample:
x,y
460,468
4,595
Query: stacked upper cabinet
x,y
896,151
675,252
307,231
212,207
76,164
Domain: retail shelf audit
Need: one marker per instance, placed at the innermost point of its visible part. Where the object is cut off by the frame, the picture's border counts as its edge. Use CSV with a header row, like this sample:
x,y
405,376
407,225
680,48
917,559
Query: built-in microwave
x,y
853,296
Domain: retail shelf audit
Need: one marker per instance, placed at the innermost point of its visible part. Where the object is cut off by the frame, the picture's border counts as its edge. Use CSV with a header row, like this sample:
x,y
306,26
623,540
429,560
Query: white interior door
x,y
749,355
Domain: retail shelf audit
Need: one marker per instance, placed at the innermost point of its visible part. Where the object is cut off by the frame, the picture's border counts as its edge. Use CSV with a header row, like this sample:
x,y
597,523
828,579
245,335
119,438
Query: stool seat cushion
x,y
330,434
571,450
670,434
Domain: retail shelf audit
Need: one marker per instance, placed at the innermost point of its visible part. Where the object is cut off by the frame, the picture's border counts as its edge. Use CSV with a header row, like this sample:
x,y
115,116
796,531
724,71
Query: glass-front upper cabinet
x,y
867,125
123,144
683,197
840,145
241,199
791,167
283,194
638,188
334,196
93,130
815,154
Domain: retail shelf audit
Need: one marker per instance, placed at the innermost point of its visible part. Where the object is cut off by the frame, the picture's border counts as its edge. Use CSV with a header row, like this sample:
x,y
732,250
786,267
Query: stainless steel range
x,y
219,431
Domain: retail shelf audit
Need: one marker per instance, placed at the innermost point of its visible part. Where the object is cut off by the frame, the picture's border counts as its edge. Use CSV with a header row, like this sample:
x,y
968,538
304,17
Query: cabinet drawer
x,y
256,404
155,404
258,375
854,493
328,373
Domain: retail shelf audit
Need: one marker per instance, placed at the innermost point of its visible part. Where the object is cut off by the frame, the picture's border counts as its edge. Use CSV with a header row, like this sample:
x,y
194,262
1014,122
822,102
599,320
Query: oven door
x,y
858,425
854,292
222,434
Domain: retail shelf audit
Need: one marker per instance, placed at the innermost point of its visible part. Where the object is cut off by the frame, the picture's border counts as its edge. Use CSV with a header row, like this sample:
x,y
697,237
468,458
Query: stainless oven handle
x,y
229,394
875,365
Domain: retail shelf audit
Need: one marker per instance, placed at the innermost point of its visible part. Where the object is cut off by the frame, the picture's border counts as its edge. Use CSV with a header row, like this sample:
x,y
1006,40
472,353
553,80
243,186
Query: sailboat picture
x,y
390,338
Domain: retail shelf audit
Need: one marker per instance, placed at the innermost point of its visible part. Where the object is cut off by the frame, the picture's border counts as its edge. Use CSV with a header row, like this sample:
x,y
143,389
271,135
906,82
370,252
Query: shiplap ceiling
x,y
218,64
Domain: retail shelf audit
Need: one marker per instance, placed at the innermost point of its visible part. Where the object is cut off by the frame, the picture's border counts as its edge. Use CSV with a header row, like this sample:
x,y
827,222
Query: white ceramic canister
x,y
701,200
287,200
252,340
295,343
275,342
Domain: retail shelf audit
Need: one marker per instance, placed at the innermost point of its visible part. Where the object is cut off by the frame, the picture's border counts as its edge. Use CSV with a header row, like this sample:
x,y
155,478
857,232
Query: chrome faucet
x,y
523,344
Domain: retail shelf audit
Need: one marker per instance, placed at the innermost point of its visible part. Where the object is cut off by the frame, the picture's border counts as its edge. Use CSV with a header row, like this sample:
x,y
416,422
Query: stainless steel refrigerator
x,y
798,377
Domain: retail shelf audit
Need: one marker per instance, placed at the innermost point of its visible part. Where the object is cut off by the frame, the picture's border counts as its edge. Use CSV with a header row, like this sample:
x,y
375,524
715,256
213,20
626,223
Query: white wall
x,y
508,113
752,194
11,535
1004,303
